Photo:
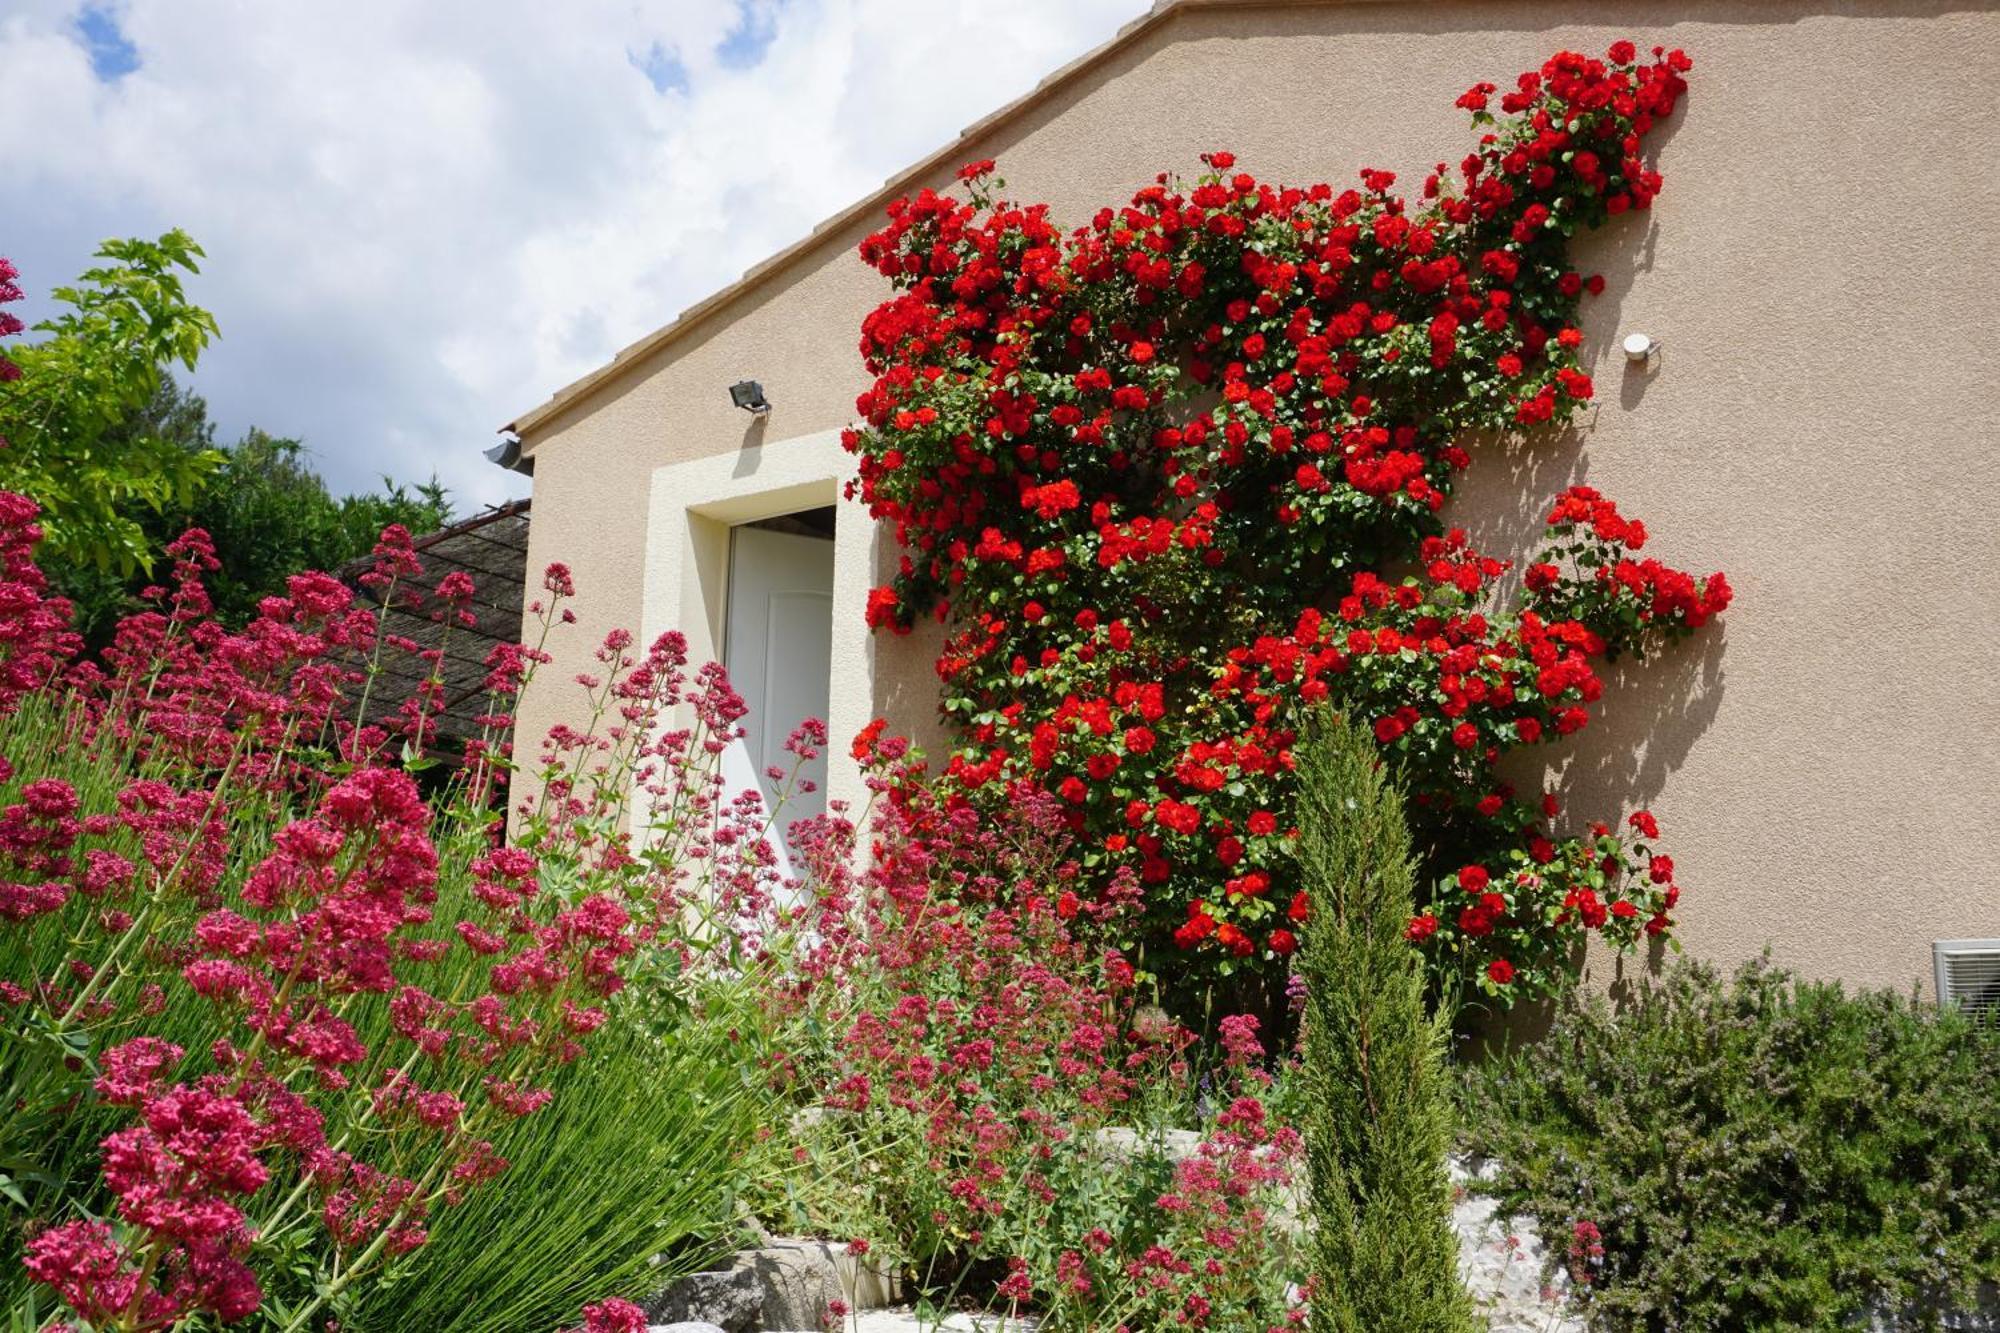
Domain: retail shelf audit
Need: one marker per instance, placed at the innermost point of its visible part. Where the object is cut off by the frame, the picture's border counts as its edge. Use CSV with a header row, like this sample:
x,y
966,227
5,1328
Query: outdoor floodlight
x,y
1639,348
749,395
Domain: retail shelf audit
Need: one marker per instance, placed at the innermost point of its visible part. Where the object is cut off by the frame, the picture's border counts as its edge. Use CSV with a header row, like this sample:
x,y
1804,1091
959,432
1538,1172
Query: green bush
x,y
621,1184
626,1179
1378,1102
1758,1152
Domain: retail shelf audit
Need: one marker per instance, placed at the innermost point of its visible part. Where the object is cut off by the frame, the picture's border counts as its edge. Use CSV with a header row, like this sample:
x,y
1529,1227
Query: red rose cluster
x,y
1151,475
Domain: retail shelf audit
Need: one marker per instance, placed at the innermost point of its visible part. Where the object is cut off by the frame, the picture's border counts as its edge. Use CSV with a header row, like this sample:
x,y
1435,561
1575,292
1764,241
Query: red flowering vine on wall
x,y
1152,474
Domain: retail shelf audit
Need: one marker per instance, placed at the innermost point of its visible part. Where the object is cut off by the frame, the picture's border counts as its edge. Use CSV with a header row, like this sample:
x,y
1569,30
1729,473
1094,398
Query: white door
x,y
777,647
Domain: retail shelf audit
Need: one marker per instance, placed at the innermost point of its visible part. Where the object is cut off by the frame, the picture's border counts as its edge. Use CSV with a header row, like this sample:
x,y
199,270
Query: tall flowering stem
x,y
265,1007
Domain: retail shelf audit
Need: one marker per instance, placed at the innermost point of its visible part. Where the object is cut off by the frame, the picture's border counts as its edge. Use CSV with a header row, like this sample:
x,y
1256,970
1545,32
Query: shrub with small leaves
x,y
1758,1152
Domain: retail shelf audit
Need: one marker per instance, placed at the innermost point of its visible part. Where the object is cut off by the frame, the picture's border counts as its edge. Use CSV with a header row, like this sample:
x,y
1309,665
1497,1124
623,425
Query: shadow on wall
x,y
906,681
1652,713
750,451
1503,498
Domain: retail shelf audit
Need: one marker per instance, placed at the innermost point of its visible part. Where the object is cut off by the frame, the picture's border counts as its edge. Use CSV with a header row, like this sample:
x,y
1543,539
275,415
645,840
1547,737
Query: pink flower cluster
x,y
381,985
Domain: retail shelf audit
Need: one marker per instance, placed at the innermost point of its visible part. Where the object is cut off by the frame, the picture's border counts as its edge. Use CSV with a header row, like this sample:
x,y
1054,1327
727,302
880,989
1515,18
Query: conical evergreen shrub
x,y
1378,1120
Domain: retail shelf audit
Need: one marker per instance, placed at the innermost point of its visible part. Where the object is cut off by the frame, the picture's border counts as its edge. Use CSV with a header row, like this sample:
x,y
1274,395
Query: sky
x,y
421,219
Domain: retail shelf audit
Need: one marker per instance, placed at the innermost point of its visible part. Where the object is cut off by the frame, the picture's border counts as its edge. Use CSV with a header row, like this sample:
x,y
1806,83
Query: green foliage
x,y
271,516
1757,1152
637,1155
64,419
1378,1114
630,1172
268,512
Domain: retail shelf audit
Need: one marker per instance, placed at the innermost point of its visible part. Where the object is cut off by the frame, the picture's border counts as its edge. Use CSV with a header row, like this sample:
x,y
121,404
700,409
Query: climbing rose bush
x,y
1159,477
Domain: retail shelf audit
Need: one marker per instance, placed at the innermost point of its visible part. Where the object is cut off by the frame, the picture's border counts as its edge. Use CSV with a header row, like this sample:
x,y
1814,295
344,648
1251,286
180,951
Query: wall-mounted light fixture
x,y
1639,348
749,395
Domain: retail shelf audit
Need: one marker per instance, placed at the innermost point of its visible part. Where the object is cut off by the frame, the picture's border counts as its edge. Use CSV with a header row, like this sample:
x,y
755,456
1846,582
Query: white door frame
x,y
691,509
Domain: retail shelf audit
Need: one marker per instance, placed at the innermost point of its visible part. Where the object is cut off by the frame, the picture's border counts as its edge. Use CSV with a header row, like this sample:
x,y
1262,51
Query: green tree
x,y
270,514
67,420
1378,1110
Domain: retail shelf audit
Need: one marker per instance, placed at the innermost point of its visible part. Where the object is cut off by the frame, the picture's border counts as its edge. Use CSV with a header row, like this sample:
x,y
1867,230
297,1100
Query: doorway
x,y
778,650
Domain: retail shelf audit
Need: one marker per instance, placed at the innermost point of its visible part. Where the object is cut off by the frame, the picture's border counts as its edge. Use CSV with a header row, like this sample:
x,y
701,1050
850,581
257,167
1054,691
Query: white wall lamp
x,y
749,395
1640,348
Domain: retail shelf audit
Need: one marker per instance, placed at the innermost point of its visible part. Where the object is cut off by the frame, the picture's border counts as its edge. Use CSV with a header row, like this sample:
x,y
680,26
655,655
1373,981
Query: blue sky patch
x,y
756,28
112,55
662,68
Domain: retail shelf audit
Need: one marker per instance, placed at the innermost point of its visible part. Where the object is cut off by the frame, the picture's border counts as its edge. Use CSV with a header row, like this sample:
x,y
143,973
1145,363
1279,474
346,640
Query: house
x,y
1820,421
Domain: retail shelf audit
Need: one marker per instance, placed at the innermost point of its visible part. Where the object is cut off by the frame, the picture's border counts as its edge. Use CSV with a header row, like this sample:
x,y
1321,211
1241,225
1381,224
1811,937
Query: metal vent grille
x,y
1968,974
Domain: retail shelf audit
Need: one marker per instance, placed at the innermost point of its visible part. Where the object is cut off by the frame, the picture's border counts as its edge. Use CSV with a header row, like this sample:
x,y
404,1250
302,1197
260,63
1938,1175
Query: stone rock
x,y
787,1282
1500,1261
683,1328
729,1299
1119,1144
801,1277
906,1321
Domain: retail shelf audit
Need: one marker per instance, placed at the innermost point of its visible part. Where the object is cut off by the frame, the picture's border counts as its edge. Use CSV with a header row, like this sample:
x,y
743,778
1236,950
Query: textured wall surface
x,y
1823,422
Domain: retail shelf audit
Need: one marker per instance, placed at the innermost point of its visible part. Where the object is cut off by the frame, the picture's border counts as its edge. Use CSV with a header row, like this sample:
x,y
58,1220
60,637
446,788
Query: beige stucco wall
x,y
1823,423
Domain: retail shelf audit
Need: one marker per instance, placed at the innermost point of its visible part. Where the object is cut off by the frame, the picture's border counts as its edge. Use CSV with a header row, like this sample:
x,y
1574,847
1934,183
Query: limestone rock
x,y
729,1299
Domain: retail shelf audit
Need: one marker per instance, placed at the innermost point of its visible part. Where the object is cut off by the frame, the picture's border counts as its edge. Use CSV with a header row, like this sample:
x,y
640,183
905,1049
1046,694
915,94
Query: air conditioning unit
x,y
1968,975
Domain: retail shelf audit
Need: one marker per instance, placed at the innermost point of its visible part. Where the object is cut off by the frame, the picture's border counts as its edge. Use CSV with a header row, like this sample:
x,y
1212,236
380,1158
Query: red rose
x,y
1501,971
1283,942
1420,928
1052,500
1465,735
1199,926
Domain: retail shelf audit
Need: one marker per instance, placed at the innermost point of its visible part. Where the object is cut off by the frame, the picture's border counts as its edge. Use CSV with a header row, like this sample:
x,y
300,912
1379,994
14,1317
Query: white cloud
x,y
421,219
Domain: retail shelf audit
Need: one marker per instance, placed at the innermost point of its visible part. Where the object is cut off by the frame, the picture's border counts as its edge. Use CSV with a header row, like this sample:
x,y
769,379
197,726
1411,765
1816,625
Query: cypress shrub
x,y
1378,1104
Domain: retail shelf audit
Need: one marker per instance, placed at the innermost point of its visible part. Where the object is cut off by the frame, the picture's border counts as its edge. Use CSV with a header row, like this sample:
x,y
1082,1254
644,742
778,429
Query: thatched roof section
x,y
490,547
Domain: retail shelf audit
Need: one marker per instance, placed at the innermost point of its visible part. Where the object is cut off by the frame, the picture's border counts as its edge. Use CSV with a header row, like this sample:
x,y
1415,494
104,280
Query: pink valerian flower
x,y
395,560
612,1316
230,725
130,1073
399,1098
1586,1253
1239,1041
362,1203
173,1175
94,1275
10,323
35,637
